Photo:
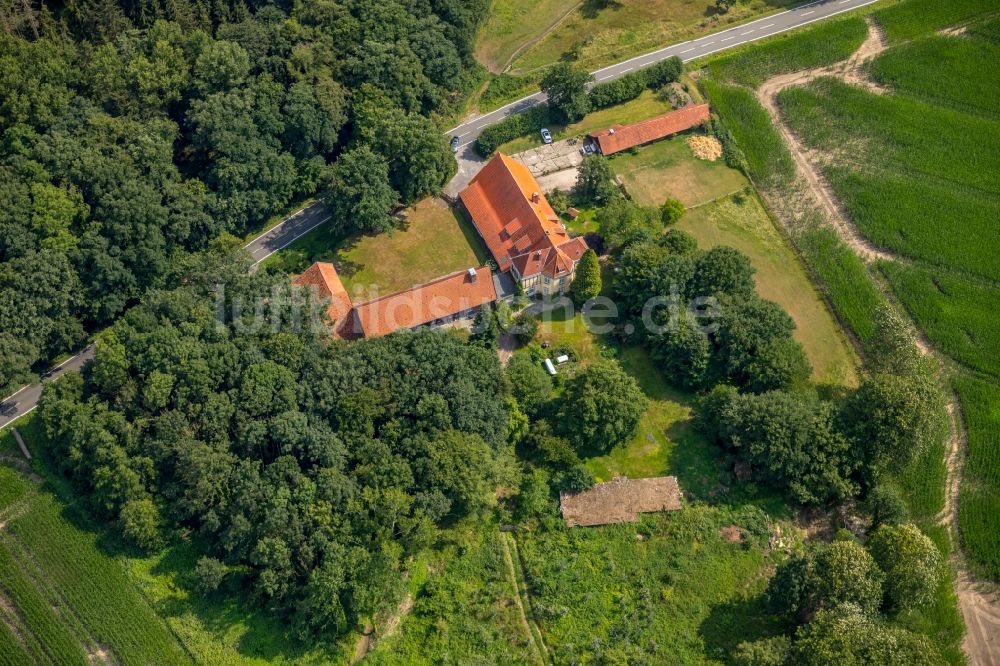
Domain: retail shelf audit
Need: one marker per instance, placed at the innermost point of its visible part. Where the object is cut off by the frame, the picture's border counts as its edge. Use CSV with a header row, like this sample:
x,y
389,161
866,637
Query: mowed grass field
x,y
717,217
742,222
668,169
65,600
433,240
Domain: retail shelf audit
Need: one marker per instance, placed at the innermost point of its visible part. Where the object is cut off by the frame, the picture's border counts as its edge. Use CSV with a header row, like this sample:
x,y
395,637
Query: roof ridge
x,y
423,284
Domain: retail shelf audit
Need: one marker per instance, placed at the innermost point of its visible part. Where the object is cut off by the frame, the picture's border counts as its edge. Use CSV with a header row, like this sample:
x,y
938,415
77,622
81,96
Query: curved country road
x,y
26,399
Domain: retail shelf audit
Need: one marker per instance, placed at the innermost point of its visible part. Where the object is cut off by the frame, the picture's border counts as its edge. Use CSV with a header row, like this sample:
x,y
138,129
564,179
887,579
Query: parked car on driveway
x,y
588,149
546,136
454,144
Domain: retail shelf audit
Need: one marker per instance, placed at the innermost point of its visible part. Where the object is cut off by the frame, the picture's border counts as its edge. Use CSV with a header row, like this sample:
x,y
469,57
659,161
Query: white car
x,y
546,136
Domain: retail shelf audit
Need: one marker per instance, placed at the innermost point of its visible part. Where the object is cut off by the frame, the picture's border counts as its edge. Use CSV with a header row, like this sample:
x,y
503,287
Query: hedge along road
x,y
288,230
768,26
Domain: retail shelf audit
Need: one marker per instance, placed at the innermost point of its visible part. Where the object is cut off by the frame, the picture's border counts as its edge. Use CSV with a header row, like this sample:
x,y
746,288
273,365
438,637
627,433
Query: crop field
x,y
667,589
66,601
930,67
668,168
768,157
841,276
988,30
465,613
918,17
742,222
979,502
928,220
958,315
825,44
896,134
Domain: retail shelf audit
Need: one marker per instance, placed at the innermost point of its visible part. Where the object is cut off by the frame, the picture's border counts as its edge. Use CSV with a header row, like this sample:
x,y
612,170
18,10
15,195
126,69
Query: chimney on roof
x,y
611,131
538,254
535,197
472,275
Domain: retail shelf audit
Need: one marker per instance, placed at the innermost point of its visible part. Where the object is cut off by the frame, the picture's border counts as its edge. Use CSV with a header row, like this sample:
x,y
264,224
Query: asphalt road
x,y
307,219
285,233
26,399
686,51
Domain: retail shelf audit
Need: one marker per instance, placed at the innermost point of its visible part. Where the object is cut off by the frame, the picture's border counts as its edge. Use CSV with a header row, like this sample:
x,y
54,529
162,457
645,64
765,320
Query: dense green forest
x,y
132,134
304,473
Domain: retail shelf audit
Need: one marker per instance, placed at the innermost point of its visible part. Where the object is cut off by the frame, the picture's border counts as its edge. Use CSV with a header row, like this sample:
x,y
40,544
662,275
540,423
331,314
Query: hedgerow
x,y
511,128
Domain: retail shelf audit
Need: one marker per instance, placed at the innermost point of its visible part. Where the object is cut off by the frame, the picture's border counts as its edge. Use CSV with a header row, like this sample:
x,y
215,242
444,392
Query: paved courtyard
x,y
557,156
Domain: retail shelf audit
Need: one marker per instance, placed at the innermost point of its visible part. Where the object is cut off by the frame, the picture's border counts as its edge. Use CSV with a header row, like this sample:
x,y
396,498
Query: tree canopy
x,y
135,134
310,471
601,408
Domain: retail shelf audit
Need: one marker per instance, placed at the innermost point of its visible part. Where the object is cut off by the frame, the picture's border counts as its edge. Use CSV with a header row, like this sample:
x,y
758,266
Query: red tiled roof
x,y
424,304
623,137
326,284
516,221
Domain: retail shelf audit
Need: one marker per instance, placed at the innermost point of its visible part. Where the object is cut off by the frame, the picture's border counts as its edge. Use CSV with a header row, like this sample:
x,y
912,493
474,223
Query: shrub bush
x,y
511,128
620,90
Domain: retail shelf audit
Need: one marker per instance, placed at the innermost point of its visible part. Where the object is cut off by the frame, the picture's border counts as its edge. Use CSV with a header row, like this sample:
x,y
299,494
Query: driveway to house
x,y
775,24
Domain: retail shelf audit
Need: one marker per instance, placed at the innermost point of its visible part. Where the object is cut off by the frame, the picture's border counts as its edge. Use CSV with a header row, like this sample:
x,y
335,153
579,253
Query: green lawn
x,y
433,240
669,169
742,222
665,442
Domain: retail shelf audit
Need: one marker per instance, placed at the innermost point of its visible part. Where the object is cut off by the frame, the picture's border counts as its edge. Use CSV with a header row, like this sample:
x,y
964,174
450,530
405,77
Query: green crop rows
x,y
959,316
769,159
72,596
979,502
823,45
917,17
842,277
930,69
918,171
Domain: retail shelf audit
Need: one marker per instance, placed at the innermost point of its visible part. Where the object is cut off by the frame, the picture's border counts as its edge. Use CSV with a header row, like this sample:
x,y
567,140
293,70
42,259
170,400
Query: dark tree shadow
x,y
736,621
591,8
